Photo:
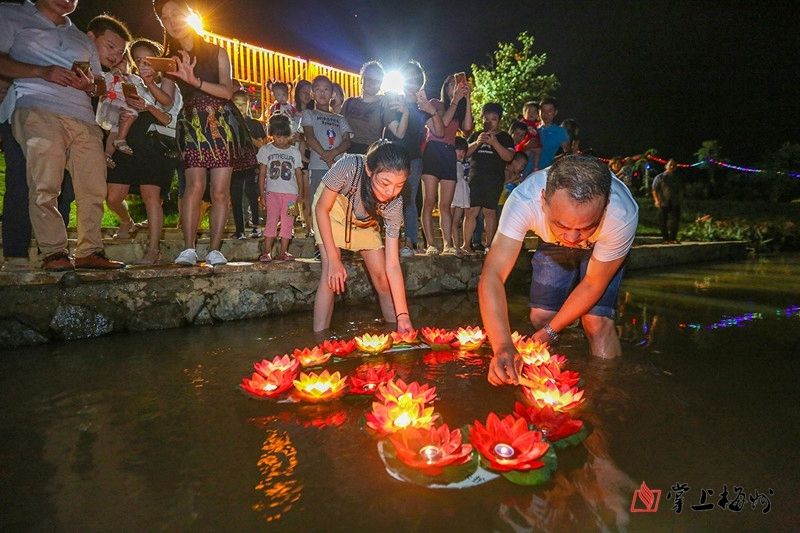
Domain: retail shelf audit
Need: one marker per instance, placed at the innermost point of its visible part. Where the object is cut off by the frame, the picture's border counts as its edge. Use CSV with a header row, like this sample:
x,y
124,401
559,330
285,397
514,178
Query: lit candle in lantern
x,y
374,344
319,387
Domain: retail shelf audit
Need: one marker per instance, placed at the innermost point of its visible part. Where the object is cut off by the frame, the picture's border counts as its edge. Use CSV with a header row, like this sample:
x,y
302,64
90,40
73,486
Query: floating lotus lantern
x,y
312,357
368,378
405,337
286,364
387,418
559,398
469,339
507,444
338,348
394,391
551,371
374,344
269,386
431,450
559,428
319,387
532,352
438,339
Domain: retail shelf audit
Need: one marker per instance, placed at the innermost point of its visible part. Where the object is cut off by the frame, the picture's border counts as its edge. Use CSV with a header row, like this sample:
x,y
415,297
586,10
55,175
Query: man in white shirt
x,y
586,221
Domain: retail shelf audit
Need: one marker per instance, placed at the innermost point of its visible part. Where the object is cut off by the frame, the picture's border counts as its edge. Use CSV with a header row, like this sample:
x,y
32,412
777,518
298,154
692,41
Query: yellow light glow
x,y
393,82
195,21
402,421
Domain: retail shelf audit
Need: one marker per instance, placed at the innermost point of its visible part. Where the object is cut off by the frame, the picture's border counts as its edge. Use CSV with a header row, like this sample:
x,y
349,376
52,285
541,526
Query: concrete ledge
x,y
38,307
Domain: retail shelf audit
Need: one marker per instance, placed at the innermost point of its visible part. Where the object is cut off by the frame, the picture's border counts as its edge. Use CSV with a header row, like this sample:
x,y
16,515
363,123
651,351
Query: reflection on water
x,y
277,487
147,431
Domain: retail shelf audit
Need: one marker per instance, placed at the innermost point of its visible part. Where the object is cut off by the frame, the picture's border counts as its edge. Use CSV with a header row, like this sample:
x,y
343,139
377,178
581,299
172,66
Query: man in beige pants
x,y
53,121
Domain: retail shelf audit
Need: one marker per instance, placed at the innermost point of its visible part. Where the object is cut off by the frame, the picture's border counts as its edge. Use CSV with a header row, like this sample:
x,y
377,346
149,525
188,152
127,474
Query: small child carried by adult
x,y
280,172
113,113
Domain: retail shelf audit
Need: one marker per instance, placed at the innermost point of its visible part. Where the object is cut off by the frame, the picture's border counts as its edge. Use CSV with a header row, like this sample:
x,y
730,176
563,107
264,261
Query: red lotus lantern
x,y
559,398
338,348
286,364
550,371
368,378
394,391
319,387
387,418
469,339
405,337
311,357
508,444
559,428
270,386
438,339
374,344
431,450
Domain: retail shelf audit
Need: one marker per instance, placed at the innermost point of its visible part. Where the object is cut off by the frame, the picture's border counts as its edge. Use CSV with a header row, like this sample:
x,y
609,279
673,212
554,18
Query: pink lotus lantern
x,y
387,418
286,364
469,339
338,348
508,444
405,337
394,391
270,386
311,357
559,398
438,339
374,344
368,378
551,371
431,450
319,387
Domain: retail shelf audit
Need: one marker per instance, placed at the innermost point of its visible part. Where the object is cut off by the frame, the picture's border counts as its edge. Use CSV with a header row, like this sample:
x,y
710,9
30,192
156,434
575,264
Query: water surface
x,y
147,431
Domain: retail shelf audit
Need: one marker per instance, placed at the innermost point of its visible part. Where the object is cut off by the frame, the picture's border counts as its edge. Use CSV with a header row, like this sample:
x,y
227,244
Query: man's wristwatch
x,y
550,333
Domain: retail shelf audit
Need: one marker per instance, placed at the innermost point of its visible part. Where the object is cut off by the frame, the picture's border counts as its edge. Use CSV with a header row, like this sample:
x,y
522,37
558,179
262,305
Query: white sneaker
x,y
449,250
215,258
16,264
188,257
405,251
431,250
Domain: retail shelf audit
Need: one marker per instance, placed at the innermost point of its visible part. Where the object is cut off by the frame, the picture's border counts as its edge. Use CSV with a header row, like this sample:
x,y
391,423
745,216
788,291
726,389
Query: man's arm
x,y
494,308
12,69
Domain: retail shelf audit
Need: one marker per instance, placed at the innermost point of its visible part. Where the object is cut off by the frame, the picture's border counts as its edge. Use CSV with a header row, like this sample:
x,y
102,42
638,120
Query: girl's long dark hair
x,y
382,155
170,45
297,104
444,96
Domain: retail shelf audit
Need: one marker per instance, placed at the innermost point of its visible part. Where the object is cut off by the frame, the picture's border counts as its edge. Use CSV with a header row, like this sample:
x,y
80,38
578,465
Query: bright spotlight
x,y
195,21
393,82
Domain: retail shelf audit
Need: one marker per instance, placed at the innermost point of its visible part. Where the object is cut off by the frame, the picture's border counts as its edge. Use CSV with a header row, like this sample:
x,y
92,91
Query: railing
x,y
256,66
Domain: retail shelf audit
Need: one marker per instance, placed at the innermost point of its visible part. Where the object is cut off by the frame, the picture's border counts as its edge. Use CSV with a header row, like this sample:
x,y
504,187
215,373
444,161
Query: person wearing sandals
x,y
151,166
212,133
280,174
359,195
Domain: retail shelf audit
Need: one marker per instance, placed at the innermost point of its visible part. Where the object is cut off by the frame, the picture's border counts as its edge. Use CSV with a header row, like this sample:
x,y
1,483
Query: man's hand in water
x,y
505,367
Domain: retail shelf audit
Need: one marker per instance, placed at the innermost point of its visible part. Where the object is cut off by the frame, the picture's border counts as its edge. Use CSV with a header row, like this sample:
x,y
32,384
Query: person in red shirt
x,y
531,145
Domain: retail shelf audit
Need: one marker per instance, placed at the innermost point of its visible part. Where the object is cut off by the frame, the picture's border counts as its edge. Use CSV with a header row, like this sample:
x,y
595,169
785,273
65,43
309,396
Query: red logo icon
x,y
645,499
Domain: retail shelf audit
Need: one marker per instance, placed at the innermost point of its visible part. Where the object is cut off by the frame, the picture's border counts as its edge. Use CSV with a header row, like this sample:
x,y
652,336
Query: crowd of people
x,y
99,115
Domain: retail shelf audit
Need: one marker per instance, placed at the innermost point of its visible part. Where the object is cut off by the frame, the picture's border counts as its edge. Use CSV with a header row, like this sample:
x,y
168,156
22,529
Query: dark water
x,y
148,432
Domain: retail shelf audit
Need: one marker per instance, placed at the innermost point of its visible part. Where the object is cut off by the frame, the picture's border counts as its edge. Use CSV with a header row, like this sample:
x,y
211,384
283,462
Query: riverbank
x,y
38,307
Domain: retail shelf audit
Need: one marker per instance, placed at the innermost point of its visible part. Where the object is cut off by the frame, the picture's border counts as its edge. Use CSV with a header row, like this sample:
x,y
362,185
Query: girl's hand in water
x,y
404,323
337,275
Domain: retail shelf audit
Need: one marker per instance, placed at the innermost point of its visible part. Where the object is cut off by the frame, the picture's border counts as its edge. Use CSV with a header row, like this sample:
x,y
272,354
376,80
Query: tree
x,y
709,150
512,78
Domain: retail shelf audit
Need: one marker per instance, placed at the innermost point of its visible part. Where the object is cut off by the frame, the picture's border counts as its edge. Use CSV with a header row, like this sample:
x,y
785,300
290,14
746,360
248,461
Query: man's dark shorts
x,y
556,272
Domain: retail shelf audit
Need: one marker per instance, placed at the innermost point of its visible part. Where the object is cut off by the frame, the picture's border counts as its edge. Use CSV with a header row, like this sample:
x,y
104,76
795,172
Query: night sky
x,y
634,75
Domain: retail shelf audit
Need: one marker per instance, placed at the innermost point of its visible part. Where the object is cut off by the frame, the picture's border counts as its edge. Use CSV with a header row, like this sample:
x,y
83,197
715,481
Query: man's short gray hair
x,y
584,177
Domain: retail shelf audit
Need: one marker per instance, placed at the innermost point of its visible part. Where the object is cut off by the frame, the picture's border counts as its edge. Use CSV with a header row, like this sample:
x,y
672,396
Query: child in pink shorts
x,y
280,171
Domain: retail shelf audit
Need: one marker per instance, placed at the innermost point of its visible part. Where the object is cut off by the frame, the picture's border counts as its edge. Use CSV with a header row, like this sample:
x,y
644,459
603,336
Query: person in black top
x,y
488,152
668,199
245,182
212,134
405,121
